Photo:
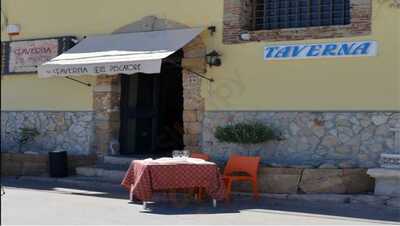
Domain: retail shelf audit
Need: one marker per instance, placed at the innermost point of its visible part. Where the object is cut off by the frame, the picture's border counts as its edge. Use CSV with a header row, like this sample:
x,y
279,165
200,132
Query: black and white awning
x,y
127,53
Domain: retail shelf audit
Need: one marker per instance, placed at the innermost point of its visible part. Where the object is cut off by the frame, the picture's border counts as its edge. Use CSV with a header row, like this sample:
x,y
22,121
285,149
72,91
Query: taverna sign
x,y
322,50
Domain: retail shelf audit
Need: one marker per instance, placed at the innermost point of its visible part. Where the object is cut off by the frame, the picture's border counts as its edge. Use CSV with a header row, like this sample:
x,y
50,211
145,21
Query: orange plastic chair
x,y
199,155
241,164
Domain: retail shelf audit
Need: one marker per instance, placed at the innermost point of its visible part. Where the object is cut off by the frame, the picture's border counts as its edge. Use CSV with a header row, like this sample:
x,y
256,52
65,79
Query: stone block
x,y
87,171
357,181
194,52
194,64
322,181
107,88
34,168
104,101
18,164
387,181
387,186
107,115
193,104
273,180
190,116
192,128
37,158
108,79
75,161
9,168
279,180
191,140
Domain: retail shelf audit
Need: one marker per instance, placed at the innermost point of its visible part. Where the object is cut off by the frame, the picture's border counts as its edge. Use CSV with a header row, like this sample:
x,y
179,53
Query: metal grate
x,y
278,14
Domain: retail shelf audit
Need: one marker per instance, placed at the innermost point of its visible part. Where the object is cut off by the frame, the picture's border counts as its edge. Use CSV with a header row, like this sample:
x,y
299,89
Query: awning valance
x,y
127,53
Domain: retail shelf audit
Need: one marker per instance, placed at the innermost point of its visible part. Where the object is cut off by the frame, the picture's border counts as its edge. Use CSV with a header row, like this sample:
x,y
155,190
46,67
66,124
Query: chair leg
x,y
200,193
228,190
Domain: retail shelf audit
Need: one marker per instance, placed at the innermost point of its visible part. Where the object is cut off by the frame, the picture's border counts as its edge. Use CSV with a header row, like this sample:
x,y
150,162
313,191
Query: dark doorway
x,y
152,109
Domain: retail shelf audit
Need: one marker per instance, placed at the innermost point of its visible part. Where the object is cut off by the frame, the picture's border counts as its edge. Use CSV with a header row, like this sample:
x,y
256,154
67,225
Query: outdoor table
x,y
147,176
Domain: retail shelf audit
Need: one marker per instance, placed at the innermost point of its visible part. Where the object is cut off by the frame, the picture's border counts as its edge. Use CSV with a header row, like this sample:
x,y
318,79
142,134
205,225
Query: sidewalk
x,y
30,201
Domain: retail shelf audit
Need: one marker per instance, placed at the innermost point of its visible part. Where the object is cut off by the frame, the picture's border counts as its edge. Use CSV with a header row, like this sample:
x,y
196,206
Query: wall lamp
x,y
245,36
212,29
213,59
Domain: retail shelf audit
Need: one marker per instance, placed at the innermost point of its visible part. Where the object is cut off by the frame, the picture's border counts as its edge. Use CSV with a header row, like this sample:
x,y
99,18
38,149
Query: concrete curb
x,y
364,199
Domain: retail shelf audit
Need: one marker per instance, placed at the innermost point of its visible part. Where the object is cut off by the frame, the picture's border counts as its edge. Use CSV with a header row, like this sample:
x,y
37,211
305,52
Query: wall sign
x,y
322,50
23,56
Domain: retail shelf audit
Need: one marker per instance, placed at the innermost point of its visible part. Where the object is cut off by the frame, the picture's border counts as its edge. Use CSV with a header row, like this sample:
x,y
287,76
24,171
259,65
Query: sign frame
x,y
64,43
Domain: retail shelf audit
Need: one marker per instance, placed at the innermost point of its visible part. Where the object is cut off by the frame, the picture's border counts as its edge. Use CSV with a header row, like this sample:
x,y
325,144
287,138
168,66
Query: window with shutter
x,y
280,14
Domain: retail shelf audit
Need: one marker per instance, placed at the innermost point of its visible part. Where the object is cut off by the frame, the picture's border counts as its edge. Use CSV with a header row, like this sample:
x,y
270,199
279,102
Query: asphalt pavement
x,y
47,203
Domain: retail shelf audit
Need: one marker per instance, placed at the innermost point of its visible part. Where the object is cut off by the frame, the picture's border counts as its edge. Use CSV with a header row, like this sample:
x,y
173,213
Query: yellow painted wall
x,y
244,82
27,92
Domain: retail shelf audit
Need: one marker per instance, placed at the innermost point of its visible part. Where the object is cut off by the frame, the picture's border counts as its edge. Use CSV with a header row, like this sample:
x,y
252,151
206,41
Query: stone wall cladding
x,y
237,20
106,106
311,139
69,131
193,102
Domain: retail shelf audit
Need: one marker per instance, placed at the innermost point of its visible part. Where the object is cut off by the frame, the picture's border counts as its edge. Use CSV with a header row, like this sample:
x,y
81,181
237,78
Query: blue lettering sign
x,y
297,50
314,50
329,50
322,50
270,51
362,49
284,52
345,49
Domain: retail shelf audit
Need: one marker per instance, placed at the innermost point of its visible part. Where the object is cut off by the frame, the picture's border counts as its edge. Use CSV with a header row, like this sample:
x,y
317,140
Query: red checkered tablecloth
x,y
143,178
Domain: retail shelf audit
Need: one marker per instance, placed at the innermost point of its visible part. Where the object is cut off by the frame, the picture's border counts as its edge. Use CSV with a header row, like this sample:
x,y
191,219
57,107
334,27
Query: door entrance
x,y
151,111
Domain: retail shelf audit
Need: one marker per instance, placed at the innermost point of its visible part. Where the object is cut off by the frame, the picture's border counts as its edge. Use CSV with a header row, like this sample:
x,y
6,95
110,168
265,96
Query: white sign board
x,y
26,55
321,50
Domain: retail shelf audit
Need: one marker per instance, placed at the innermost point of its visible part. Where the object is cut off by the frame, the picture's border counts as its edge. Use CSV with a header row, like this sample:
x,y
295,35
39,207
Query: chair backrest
x,y
199,155
237,163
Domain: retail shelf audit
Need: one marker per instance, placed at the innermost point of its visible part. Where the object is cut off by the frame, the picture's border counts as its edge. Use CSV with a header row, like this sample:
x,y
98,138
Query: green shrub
x,y
245,133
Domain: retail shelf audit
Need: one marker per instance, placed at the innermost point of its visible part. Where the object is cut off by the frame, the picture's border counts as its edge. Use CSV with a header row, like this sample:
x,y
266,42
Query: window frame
x,y
264,17
238,20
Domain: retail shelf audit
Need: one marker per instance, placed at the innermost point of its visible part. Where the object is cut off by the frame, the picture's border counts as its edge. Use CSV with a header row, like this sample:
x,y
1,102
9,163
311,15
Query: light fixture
x,y
245,36
212,30
13,29
213,58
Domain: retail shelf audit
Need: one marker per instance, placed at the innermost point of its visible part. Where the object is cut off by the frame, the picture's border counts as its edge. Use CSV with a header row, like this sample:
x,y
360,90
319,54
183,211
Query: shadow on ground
x,y
185,206
279,206
94,189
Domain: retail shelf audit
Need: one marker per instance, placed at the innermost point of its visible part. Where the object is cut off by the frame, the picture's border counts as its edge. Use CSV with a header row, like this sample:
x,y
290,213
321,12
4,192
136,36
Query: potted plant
x,y
248,134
